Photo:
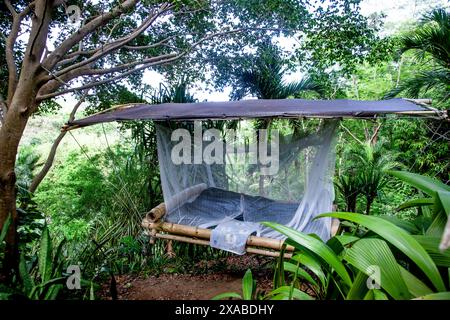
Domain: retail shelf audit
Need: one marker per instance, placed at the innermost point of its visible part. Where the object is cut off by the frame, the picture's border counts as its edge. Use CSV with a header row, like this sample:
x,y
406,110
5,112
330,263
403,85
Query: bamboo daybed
x,y
159,229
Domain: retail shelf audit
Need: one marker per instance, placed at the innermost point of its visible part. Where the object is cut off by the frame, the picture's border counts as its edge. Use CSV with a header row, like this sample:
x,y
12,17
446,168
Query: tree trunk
x,y
10,135
369,201
15,121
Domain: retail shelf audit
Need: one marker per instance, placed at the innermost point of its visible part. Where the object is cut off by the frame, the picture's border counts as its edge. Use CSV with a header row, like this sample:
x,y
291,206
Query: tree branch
x,y
50,62
46,91
51,156
112,46
10,42
41,97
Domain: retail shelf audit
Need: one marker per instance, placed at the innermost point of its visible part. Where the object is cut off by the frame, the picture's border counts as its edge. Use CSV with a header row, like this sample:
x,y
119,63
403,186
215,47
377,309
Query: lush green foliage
x,y
42,277
383,258
430,42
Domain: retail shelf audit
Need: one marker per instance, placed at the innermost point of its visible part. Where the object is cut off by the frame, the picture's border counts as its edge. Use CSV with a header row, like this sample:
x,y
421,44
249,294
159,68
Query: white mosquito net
x,y
231,180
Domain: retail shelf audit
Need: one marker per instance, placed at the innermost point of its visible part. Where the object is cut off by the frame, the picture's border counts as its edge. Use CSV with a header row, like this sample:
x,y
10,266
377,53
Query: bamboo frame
x,y
251,250
177,232
205,234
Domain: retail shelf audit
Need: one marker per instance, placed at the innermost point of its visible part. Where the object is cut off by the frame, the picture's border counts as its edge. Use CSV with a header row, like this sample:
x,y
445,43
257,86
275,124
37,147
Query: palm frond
x,y
437,79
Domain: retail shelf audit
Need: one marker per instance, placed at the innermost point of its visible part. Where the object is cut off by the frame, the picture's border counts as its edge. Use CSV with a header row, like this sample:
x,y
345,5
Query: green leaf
x,y
346,239
359,288
398,238
5,228
379,295
426,184
45,286
415,286
247,285
431,245
284,292
92,292
416,203
5,296
227,295
368,253
278,277
300,272
53,292
436,296
437,226
45,256
27,281
444,198
405,225
310,262
301,241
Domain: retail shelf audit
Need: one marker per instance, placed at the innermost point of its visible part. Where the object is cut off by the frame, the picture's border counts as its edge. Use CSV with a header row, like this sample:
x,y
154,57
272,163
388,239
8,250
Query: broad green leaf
x,y
379,295
278,277
27,281
35,293
444,198
437,226
426,184
247,285
302,240
280,296
227,295
366,254
45,256
285,291
56,265
300,272
359,288
405,225
312,264
369,295
53,292
415,286
398,238
431,245
436,296
346,239
416,203
5,228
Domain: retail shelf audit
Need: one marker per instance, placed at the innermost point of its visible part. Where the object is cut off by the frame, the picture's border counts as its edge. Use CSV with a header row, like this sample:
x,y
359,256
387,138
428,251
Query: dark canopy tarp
x,y
245,109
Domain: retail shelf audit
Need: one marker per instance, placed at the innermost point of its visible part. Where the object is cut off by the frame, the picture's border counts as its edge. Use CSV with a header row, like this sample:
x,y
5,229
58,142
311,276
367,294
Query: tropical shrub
x,y
41,276
387,258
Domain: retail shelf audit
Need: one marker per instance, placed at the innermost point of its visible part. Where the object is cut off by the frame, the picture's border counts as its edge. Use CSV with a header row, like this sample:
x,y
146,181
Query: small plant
x,y
42,277
248,289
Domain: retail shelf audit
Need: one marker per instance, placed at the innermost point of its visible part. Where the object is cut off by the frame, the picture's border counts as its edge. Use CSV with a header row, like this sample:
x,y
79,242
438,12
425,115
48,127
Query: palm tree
x,y
430,41
264,78
373,162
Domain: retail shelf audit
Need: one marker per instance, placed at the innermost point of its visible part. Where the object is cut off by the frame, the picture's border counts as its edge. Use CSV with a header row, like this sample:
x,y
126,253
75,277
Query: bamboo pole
x,y
182,230
157,212
206,243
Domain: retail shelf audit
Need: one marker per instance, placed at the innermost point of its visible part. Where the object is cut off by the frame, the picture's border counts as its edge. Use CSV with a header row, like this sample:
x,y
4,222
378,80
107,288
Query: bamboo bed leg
x,y
170,252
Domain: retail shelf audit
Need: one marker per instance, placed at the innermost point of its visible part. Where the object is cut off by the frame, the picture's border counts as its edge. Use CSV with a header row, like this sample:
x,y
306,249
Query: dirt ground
x,y
188,286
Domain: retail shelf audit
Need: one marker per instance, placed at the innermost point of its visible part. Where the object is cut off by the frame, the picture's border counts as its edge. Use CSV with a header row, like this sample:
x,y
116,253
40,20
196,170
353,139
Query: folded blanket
x,y
232,235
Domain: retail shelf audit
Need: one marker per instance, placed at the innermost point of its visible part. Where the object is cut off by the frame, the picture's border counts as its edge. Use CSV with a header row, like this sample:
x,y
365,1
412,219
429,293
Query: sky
x,y
396,11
